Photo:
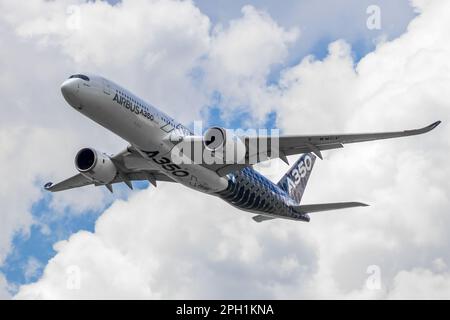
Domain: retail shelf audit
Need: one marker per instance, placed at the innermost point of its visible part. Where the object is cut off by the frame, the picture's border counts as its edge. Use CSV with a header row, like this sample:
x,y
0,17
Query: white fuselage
x,y
145,127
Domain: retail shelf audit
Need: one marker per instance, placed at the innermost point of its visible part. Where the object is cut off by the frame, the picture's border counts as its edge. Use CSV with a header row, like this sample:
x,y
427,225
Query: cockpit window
x,y
79,76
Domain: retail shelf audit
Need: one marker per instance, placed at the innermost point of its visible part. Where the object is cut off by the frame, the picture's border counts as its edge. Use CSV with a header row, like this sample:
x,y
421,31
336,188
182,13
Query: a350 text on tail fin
x,y
295,180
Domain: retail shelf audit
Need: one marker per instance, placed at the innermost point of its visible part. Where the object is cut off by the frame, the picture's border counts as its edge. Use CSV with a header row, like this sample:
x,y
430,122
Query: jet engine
x,y
215,138
95,165
224,142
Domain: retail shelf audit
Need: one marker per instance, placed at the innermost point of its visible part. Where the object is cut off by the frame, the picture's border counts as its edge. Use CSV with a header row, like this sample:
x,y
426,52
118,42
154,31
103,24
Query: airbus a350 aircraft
x,y
153,135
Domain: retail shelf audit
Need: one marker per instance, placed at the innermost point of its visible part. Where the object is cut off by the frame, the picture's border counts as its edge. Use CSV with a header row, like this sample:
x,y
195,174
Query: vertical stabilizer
x,y
295,180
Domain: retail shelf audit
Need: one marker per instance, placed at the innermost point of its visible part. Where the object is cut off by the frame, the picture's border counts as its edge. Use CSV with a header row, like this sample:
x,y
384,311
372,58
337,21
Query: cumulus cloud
x,y
154,247
4,294
420,284
32,268
49,40
156,42
232,67
149,248
45,42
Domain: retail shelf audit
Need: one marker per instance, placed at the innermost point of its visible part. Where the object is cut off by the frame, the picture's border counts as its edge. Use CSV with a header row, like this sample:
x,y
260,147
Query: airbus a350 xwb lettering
x,y
161,149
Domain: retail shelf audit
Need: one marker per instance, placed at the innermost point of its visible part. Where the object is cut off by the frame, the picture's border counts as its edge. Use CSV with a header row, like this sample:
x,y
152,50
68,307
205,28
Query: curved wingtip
x,y
424,129
361,204
48,185
434,125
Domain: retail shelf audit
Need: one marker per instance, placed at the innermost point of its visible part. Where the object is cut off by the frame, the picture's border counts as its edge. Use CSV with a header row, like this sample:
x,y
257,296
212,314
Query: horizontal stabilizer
x,y
261,218
308,208
303,210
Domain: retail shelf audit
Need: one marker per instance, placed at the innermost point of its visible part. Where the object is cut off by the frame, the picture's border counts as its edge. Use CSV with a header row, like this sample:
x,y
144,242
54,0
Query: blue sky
x,y
319,25
321,22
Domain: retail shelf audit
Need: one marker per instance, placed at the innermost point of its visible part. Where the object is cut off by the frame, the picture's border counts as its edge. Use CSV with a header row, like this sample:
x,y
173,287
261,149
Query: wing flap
x,y
143,175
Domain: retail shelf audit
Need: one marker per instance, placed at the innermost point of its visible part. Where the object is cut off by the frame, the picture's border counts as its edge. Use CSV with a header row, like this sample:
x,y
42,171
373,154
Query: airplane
x,y
153,136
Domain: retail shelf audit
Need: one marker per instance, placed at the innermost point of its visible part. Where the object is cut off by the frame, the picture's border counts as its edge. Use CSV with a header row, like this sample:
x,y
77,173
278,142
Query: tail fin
x,y
295,180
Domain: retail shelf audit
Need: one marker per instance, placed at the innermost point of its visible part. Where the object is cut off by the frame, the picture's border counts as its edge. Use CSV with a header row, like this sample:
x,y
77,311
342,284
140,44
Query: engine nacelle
x,y
224,142
95,165
215,138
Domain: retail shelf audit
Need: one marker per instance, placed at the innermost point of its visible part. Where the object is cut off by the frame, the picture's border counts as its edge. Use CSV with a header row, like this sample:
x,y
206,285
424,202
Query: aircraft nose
x,y
69,89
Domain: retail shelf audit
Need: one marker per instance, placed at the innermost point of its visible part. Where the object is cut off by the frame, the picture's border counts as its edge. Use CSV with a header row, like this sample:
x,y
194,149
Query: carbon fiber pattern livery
x,y
250,191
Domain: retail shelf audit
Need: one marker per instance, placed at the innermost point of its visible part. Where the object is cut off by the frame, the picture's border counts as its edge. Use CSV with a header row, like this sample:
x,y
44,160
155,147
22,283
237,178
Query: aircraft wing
x,y
290,145
131,167
295,144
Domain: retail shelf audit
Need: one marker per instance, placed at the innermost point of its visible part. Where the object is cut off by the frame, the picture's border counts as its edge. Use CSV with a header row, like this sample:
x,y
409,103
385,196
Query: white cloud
x,y
40,133
322,21
169,39
254,34
149,248
420,284
32,268
157,42
4,294
241,57
26,162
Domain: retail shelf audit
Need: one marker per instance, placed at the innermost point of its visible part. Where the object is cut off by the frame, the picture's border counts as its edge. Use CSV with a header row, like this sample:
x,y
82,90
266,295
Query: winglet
x,y
434,125
48,186
424,129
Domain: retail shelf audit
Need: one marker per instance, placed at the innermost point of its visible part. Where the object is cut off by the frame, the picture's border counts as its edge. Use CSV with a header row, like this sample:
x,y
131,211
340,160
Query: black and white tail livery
x,y
295,180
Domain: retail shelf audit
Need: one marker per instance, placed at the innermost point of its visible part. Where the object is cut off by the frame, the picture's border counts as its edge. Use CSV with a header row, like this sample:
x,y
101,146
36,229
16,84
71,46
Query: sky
x,y
302,67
